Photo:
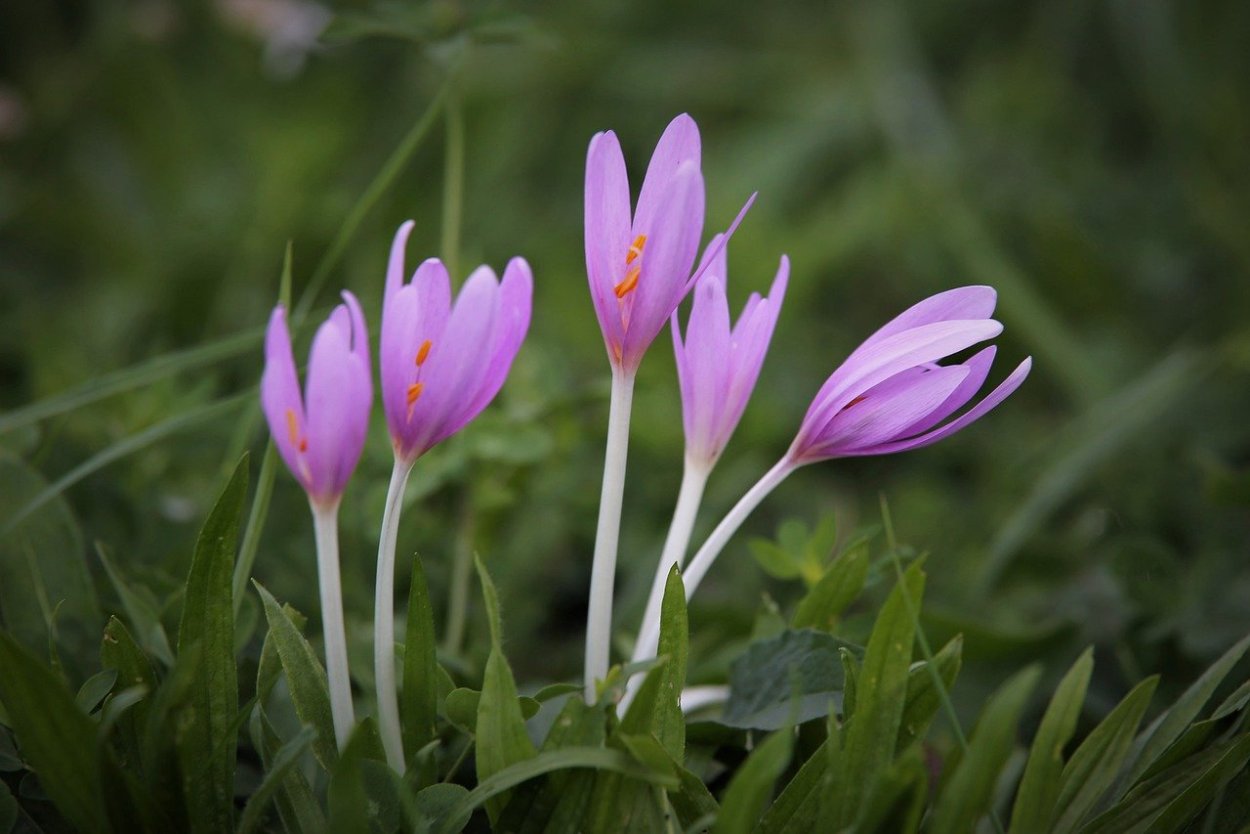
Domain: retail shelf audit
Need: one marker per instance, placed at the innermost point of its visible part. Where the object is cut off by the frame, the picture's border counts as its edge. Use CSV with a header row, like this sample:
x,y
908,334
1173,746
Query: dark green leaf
x,y
752,784
297,806
765,680
208,622
898,799
56,738
1034,807
305,677
967,795
348,795
95,689
279,767
837,588
797,809
8,809
140,610
923,697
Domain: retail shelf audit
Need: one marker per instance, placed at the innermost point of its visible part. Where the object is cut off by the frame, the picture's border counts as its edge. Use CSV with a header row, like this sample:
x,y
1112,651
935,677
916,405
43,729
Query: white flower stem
x,y
689,496
326,527
384,620
603,569
703,559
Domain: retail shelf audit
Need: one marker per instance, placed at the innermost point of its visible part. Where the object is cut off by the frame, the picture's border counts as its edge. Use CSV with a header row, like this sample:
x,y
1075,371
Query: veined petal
x,y
973,302
672,243
1002,392
401,317
280,395
608,226
679,145
883,412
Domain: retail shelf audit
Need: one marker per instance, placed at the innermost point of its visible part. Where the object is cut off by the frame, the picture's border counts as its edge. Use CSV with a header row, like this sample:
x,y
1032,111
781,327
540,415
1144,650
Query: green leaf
x,y
438,800
304,676
773,560
850,681
95,689
1034,807
140,610
1093,767
657,708
209,717
871,738
419,704
297,806
8,809
501,737
836,589
42,571
1167,728
797,809
348,795
279,767
55,736
898,800
461,705
923,697
967,795
692,801
765,680
752,784
599,758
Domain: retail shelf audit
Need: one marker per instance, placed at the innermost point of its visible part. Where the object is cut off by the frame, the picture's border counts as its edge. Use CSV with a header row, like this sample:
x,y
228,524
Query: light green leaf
x,y
208,718
970,789
657,708
501,737
1034,807
419,704
1093,767
836,589
305,677
53,735
752,784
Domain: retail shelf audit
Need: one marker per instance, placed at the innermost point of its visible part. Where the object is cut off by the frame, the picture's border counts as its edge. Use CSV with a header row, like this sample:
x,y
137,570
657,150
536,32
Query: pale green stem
x,y
326,527
693,480
603,568
384,620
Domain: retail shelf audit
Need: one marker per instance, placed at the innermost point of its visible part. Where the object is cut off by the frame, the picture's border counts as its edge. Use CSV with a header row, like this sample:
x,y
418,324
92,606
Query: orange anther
x,y
414,391
636,249
423,352
292,430
631,281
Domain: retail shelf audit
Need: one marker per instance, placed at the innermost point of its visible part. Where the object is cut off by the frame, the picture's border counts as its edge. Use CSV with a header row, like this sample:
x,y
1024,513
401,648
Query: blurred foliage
x,y
1087,159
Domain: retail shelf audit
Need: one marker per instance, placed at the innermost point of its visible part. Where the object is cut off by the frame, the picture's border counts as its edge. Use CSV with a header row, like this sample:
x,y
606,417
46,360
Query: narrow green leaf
x,y
208,622
970,789
599,758
140,610
297,806
256,517
837,588
347,795
657,708
501,737
419,706
850,681
276,772
55,736
8,809
871,738
797,809
1167,728
923,697
752,784
1034,807
691,800
305,677
460,707
898,800
1093,767
773,560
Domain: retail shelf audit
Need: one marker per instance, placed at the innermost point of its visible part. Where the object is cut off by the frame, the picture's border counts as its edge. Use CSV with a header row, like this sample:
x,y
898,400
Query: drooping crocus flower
x,y
320,435
717,365
890,395
442,363
321,432
639,261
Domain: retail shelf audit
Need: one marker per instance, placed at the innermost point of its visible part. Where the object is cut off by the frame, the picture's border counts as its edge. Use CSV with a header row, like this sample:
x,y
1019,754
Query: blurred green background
x,y
1087,159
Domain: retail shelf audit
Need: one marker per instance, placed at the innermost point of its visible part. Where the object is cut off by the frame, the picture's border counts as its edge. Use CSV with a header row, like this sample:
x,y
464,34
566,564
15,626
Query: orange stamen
x,y
292,429
631,281
636,249
423,352
414,392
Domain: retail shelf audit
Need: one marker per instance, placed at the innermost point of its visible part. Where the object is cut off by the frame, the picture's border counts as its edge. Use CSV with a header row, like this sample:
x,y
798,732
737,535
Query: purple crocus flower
x,y
718,365
639,262
443,363
890,395
321,432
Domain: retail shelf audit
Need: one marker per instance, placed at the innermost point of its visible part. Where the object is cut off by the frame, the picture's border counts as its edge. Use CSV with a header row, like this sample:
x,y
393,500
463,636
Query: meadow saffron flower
x,y
718,364
321,432
441,364
320,435
638,262
890,395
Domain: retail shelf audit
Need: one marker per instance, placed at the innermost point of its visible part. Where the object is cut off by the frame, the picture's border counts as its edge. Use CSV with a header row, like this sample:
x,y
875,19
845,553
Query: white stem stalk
x,y
603,569
384,620
693,480
326,527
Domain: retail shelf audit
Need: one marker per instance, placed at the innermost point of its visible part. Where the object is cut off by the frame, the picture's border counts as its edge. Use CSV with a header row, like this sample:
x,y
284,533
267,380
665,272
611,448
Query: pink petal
x,y
608,226
678,146
280,393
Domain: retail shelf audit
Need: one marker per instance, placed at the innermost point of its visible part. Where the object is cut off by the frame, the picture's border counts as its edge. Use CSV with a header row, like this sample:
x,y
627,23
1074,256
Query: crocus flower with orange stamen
x,y
320,432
